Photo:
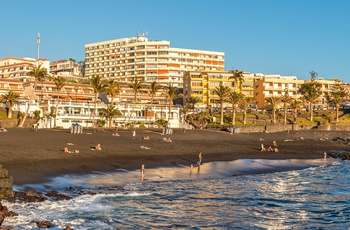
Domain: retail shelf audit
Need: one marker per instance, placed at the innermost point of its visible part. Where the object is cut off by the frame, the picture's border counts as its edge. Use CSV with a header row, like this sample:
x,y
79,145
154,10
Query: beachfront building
x,y
276,85
66,68
18,68
127,59
202,84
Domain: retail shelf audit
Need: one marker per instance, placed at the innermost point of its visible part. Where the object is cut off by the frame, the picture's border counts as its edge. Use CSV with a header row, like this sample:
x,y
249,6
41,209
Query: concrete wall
x,y
280,128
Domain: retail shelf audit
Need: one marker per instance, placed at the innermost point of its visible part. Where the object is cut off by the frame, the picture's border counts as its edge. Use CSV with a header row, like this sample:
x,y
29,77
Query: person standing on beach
x,y
134,133
200,158
143,172
325,156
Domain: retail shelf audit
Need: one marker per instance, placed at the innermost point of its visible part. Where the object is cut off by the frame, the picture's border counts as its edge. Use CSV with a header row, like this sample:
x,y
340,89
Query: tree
x,y
244,103
136,86
185,110
11,99
112,89
60,82
273,101
110,112
153,90
295,105
98,85
311,91
38,73
193,101
235,98
238,77
337,96
286,99
222,92
171,95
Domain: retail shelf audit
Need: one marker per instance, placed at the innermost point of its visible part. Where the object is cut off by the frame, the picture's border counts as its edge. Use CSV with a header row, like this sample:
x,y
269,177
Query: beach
x,y
33,157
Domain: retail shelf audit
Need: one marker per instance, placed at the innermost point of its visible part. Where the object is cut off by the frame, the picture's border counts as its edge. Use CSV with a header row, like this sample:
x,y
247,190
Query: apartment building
x,y
19,67
66,68
202,84
138,58
276,85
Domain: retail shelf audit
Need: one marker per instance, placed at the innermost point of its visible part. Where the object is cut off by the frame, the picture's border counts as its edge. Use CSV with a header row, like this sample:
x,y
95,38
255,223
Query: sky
x,y
286,37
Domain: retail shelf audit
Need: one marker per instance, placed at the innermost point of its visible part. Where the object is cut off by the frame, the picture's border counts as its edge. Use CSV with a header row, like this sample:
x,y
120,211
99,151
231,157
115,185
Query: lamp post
x,y
285,105
76,93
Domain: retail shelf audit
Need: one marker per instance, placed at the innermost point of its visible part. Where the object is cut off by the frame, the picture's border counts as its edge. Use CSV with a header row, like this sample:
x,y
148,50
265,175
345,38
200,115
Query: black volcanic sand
x,y
32,157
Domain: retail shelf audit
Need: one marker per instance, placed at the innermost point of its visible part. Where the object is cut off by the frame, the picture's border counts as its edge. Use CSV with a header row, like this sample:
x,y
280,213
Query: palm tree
x,y
38,73
98,85
171,95
59,82
244,103
238,77
110,112
286,99
185,110
273,101
153,89
295,105
112,89
311,91
136,86
336,96
235,98
222,92
11,99
193,101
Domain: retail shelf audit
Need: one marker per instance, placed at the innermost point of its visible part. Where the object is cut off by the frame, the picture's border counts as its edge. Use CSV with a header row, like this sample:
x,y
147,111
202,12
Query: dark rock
x,y
57,195
43,224
31,192
68,228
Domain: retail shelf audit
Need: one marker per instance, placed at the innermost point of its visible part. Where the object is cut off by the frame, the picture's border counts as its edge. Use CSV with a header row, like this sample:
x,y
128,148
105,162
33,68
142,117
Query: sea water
x,y
300,194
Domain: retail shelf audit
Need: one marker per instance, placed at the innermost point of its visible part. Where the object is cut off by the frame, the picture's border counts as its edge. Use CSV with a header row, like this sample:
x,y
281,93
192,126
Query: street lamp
x,y
76,93
285,104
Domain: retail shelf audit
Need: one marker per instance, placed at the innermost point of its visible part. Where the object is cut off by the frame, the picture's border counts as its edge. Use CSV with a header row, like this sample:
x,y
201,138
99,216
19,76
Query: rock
x,y
57,195
68,228
31,192
43,224
6,183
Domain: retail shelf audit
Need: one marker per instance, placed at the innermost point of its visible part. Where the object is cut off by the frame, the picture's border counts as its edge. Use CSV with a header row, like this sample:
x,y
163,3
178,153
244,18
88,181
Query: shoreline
x,y
34,157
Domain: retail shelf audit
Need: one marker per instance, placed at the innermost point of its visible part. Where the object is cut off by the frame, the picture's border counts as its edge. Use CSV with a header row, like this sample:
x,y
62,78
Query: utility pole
x,y
38,45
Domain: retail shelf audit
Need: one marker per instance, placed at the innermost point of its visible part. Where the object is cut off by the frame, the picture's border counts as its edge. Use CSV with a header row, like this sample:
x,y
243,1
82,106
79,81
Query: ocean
x,y
242,194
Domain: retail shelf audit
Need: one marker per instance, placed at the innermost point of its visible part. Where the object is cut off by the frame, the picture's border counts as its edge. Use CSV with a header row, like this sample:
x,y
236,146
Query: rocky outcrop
x,y
6,183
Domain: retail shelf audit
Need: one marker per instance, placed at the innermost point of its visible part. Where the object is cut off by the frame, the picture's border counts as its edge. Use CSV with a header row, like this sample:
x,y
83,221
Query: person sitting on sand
x,y
65,150
276,150
169,140
274,144
270,149
262,149
98,147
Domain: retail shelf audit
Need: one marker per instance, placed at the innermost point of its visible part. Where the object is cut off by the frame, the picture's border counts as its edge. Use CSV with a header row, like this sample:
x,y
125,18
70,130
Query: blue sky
x,y
287,37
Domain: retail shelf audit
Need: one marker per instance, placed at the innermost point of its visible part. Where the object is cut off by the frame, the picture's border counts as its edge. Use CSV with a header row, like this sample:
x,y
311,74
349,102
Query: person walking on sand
x,y
200,158
143,172
134,133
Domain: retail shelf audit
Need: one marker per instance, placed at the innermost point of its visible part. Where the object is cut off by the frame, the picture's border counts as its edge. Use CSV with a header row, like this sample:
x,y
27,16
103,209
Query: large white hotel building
x,y
127,59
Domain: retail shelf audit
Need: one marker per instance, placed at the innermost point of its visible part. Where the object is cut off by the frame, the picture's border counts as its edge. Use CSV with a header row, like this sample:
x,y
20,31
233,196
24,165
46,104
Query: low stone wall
x,y
6,183
13,123
281,128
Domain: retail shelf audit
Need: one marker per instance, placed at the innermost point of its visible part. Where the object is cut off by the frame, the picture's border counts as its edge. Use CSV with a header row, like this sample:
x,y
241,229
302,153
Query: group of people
x,y
270,148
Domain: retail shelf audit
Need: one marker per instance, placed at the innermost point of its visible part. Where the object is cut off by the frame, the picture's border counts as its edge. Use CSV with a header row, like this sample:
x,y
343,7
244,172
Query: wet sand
x,y
32,157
